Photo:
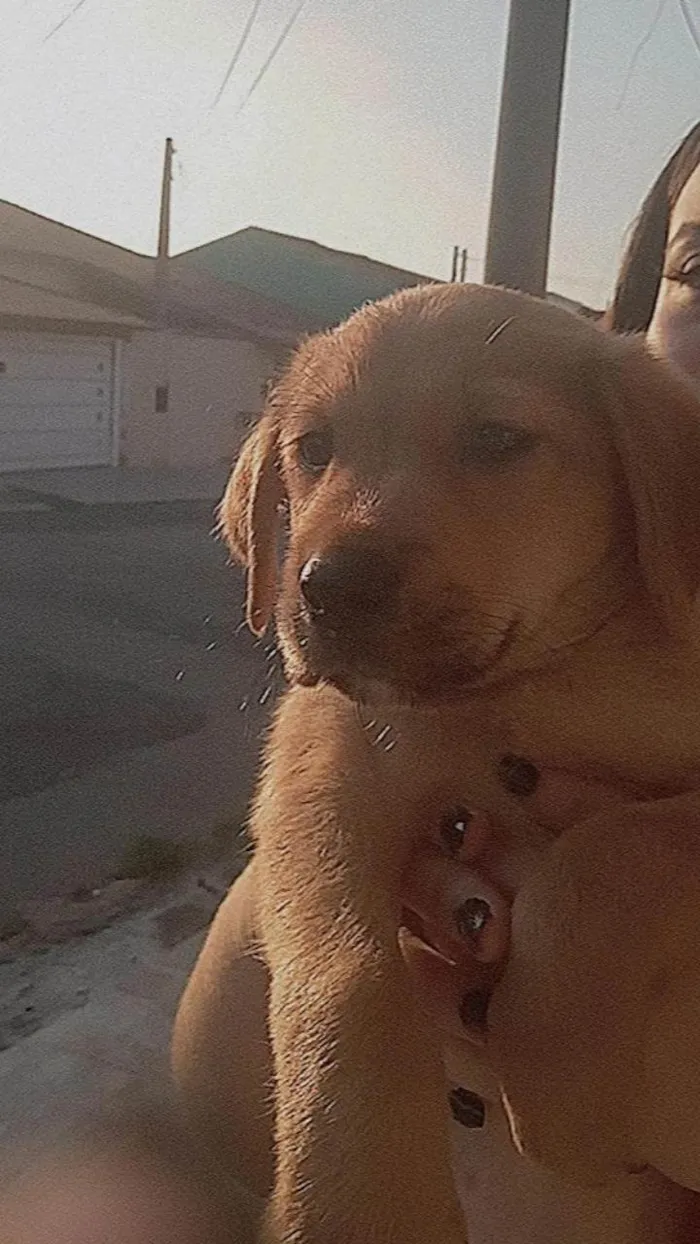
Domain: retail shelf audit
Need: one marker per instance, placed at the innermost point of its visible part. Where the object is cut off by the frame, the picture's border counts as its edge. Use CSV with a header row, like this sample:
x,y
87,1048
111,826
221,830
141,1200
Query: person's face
x,y
675,327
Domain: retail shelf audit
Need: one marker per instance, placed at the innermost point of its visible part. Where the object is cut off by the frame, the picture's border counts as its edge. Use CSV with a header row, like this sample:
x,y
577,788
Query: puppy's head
x,y
474,480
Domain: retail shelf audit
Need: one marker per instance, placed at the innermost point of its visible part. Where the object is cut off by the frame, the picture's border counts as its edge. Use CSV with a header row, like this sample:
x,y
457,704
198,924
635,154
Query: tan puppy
x,y
491,537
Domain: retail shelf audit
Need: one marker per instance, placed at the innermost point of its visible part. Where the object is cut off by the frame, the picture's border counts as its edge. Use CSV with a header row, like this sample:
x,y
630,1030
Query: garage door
x,y
56,401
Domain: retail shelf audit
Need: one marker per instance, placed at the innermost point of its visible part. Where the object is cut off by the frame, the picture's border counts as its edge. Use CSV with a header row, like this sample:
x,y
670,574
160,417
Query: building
x,y
319,283
102,361
108,359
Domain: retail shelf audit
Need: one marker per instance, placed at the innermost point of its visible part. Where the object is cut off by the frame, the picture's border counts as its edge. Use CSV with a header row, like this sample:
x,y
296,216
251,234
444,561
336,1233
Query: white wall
x,y
214,385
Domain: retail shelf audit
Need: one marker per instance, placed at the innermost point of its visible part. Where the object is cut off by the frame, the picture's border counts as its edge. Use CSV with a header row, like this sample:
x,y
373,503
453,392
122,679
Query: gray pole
x,y
164,218
522,194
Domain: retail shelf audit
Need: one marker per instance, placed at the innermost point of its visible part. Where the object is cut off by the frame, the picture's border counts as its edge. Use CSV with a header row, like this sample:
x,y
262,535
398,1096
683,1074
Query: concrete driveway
x,y
132,701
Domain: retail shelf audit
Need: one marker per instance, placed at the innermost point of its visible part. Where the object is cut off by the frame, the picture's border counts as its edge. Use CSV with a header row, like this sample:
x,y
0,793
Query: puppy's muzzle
x,y
348,588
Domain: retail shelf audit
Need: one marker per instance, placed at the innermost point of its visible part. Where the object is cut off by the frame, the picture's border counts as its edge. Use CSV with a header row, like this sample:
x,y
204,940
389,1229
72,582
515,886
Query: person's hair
x,y
639,276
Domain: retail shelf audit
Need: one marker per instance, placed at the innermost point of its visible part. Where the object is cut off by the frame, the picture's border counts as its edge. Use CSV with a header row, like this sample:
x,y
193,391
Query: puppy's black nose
x,y
348,583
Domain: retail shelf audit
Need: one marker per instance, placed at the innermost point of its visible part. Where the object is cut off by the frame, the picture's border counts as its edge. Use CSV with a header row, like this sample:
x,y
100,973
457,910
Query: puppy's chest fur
x,y
620,709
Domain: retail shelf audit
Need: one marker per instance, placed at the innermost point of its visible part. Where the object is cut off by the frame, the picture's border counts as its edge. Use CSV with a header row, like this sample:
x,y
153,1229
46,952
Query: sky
x,y
372,131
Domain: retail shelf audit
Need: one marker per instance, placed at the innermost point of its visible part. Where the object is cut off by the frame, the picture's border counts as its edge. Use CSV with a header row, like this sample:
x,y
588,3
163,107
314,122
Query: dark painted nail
x,y
471,917
519,776
474,1008
467,1108
454,828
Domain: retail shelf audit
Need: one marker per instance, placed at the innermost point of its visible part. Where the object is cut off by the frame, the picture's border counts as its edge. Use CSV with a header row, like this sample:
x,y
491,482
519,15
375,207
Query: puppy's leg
x,y
362,1120
220,1053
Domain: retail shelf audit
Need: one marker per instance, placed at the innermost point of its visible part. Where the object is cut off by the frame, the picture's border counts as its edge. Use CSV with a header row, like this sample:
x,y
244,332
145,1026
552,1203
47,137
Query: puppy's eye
x,y
495,444
315,449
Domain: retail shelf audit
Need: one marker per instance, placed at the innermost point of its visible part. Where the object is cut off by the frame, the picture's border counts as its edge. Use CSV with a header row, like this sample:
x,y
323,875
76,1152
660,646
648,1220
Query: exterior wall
x,y
214,387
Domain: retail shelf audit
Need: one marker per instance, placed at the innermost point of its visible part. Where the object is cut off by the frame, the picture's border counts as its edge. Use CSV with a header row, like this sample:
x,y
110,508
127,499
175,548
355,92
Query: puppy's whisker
x,y
256,950
501,328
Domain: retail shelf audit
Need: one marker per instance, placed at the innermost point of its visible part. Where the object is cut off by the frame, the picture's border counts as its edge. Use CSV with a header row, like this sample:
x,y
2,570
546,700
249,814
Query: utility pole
x,y
522,194
459,264
164,222
161,401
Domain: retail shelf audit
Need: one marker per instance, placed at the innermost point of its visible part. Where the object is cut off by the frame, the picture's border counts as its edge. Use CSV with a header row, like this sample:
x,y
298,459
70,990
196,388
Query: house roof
x,y
572,304
322,284
22,300
50,271
255,284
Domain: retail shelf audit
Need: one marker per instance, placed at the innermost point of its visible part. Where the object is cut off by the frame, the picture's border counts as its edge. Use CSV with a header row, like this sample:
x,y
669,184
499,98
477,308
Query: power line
x,y
690,24
62,23
237,54
277,47
646,39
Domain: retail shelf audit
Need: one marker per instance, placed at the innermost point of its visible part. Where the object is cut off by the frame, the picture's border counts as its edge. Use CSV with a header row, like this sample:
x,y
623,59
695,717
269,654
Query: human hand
x,y
454,939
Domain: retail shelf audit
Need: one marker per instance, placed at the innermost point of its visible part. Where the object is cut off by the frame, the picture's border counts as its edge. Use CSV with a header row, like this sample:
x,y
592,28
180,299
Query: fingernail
x,y
474,1008
519,776
454,828
467,1108
471,918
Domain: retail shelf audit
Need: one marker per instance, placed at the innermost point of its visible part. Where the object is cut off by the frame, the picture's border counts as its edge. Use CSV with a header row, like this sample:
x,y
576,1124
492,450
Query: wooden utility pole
x,y
522,195
162,389
164,222
455,260
463,266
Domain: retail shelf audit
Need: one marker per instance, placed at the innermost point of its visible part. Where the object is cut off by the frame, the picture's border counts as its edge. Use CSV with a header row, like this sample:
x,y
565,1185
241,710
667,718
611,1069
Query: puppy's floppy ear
x,y
655,422
249,519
